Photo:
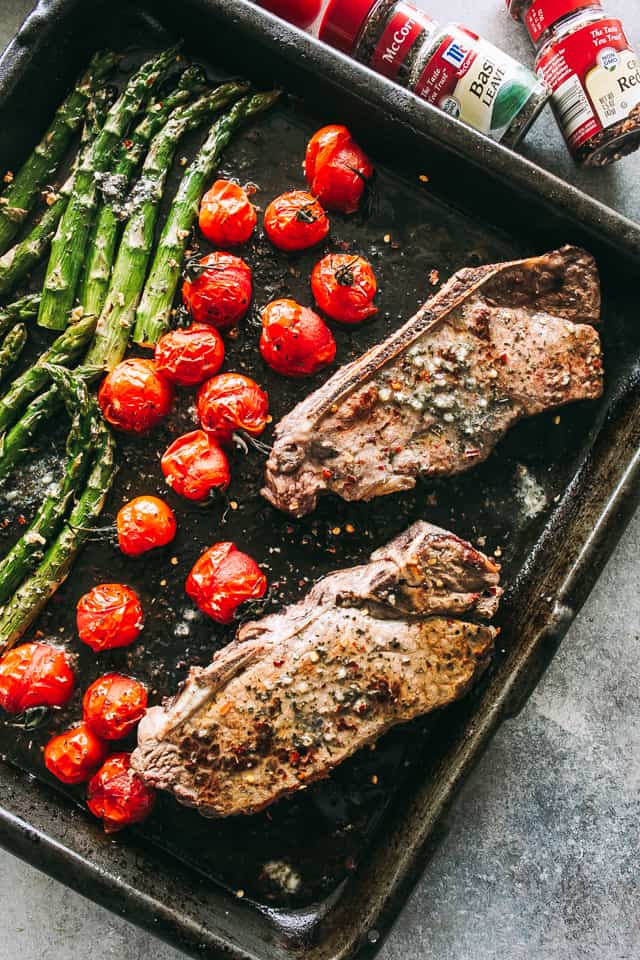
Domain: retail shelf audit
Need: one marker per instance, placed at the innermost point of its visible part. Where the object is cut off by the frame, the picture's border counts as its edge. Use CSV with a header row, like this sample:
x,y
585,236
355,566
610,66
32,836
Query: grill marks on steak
x,y
497,343
298,692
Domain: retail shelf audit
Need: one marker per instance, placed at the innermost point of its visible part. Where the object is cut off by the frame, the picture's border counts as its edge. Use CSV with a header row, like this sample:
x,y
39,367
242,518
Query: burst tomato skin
x,y
337,169
232,402
295,341
117,795
113,705
295,221
344,287
227,216
134,396
75,755
108,616
194,466
221,292
190,355
34,675
144,524
223,578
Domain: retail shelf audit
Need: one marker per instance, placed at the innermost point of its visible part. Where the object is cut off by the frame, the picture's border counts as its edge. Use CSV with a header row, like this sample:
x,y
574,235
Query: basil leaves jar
x,y
450,66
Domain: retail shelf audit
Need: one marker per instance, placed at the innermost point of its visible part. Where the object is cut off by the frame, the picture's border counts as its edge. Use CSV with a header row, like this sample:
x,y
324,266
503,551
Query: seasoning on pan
x,y
451,67
585,58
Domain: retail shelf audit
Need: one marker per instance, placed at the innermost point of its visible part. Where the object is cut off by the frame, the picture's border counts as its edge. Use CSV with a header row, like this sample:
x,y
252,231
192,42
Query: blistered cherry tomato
x,y
295,221
220,293
227,216
295,341
34,675
344,287
232,402
337,169
135,397
109,616
223,578
75,755
189,355
300,12
194,466
144,524
113,705
117,795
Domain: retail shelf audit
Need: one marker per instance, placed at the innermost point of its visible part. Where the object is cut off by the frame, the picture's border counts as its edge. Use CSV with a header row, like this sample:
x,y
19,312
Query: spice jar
x,y
450,67
385,35
585,58
470,79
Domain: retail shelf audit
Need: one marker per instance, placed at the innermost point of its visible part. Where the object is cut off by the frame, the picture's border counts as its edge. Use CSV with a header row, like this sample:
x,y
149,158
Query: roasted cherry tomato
x,y
344,287
143,524
294,340
300,12
194,466
220,293
337,169
117,795
227,216
295,221
223,578
190,355
34,675
113,705
232,402
109,616
75,755
135,397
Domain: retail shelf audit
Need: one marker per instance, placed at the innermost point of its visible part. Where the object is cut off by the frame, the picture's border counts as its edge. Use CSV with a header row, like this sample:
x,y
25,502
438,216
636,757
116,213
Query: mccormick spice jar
x,y
450,67
593,72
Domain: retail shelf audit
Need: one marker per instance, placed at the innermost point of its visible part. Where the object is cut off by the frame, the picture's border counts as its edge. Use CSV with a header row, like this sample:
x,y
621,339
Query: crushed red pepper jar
x,y
593,72
449,66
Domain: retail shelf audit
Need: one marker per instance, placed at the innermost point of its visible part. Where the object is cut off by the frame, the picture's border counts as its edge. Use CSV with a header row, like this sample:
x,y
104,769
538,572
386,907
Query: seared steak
x,y
299,691
497,343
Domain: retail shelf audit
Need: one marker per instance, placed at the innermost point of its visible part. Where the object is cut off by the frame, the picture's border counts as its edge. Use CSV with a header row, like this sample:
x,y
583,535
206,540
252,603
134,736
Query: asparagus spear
x,y
32,595
70,242
20,259
66,348
17,442
29,549
118,314
97,266
12,347
152,317
23,309
42,163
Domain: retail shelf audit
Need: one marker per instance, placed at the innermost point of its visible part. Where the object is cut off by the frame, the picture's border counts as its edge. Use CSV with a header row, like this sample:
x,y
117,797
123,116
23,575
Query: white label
x,y
614,85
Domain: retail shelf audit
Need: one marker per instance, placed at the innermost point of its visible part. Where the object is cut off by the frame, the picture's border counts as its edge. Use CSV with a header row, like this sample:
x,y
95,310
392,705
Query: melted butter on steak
x,y
496,344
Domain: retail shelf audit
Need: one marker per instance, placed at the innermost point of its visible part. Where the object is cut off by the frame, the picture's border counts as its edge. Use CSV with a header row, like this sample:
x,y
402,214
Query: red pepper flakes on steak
x,y
298,692
495,344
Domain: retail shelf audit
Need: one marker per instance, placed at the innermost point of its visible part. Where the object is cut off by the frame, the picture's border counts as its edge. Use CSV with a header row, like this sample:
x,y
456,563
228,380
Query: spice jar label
x,y
542,14
595,78
472,80
400,34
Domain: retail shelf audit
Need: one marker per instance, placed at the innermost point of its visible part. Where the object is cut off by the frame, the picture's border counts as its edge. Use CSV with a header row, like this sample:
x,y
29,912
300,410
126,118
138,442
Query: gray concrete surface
x,y
542,858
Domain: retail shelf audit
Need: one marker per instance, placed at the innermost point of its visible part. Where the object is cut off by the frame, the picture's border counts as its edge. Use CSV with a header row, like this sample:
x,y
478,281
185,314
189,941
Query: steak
x,y
497,343
298,692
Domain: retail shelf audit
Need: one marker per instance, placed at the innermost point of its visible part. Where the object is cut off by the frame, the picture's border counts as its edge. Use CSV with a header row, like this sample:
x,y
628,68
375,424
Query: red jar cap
x,y
343,21
543,14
